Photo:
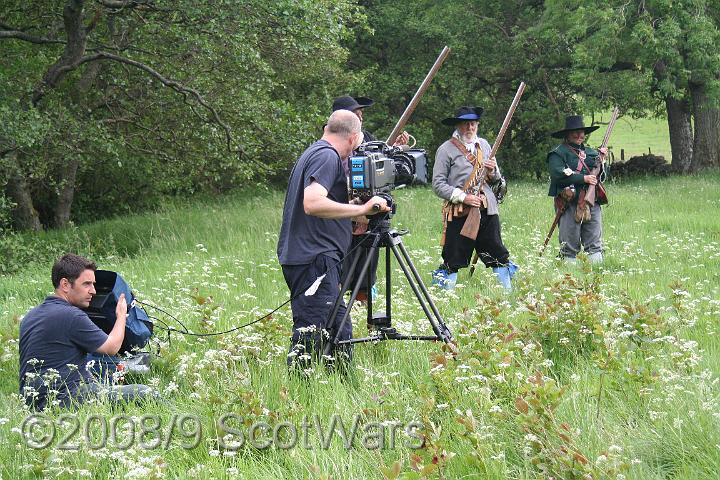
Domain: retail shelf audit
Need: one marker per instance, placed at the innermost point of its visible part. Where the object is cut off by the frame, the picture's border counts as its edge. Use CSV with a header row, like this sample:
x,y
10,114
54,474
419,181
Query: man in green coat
x,y
570,164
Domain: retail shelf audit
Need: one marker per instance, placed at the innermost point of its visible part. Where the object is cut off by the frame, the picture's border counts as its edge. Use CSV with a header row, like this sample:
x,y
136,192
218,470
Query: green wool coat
x,y
562,157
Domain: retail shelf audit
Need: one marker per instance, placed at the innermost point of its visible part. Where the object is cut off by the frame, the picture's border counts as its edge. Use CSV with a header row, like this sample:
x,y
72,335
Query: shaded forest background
x,y
111,106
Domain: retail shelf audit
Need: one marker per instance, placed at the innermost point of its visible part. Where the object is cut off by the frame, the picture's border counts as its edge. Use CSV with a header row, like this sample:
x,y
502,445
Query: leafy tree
x,y
495,45
110,104
648,58
664,53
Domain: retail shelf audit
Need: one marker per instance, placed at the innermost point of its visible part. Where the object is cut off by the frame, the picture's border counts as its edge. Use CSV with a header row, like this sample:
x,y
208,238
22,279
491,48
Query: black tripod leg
x,y
388,284
348,275
336,330
418,279
421,292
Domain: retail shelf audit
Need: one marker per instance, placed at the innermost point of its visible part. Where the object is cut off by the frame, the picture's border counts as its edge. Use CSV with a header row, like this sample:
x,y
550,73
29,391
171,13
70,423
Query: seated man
x,y
56,336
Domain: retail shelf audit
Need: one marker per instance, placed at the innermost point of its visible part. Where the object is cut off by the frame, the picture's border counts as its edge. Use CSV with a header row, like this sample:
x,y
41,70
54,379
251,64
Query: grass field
x,y
580,372
637,136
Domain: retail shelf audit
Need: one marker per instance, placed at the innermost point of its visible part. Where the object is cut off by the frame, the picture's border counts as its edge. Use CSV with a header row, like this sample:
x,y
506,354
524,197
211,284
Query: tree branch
x,y
122,3
173,84
17,34
94,21
74,49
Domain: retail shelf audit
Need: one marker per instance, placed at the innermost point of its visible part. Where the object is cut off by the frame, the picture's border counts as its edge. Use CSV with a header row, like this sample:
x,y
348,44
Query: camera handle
x,y
380,235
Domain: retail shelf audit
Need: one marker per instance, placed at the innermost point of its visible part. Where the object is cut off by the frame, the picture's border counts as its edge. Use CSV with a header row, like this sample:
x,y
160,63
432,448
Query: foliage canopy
x,y
107,106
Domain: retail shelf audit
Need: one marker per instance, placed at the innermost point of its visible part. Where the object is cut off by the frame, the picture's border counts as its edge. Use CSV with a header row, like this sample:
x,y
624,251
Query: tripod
x,y
380,235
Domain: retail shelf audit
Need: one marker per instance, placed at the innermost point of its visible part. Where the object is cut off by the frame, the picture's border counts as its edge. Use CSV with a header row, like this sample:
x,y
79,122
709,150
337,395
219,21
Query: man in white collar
x,y
456,162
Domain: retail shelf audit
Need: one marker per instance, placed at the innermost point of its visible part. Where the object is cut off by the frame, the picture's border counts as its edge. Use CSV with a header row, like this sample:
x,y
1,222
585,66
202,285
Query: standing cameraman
x,y
360,224
316,233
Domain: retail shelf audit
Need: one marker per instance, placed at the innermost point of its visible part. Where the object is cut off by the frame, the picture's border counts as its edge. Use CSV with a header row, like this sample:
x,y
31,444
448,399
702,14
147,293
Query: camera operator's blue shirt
x,y
55,338
303,237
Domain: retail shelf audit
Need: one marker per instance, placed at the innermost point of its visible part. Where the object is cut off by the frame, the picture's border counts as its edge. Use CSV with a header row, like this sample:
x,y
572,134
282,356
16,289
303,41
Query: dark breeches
x,y
488,244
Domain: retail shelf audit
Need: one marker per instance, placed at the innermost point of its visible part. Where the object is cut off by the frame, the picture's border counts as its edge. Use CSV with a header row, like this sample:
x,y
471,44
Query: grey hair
x,y
343,123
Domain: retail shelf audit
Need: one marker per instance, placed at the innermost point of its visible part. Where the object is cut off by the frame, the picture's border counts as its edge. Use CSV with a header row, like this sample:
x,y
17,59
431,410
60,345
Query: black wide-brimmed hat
x,y
364,101
346,102
464,114
573,122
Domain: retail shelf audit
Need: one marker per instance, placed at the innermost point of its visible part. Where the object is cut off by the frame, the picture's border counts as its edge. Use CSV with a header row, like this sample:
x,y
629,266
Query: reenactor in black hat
x,y
456,163
359,225
570,165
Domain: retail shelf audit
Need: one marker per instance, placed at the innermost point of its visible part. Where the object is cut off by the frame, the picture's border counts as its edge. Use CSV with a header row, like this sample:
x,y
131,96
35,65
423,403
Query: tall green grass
x,y
637,136
643,404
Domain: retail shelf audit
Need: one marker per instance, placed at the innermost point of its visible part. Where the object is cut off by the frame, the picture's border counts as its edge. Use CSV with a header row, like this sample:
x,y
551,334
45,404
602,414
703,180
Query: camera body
x,y
377,168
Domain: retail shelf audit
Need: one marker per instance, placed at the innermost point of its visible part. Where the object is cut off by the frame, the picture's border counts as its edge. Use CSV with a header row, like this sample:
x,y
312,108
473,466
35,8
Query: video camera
x,y
377,168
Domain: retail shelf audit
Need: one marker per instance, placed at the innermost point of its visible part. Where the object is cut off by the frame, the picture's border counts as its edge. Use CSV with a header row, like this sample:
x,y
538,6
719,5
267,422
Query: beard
x,y
468,137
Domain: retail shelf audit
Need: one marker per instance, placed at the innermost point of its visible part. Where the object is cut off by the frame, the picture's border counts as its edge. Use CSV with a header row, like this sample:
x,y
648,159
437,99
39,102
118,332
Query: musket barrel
x,y
472,222
508,117
590,193
479,179
416,99
611,125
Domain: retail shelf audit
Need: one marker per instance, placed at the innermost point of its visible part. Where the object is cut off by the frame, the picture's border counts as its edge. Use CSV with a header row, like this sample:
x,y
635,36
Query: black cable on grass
x,y
213,334
167,328
165,312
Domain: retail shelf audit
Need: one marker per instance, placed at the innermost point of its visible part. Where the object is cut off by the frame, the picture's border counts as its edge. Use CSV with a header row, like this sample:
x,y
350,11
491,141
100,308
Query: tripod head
x,y
381,221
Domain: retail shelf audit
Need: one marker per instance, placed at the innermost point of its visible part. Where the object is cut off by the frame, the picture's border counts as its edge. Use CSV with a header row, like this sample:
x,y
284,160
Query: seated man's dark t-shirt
x,y
303,237
55,337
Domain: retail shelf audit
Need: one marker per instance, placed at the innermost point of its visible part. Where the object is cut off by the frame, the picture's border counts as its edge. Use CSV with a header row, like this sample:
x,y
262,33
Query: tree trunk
x,y
25,217
681,137
74,49
68,172
706,146
67,192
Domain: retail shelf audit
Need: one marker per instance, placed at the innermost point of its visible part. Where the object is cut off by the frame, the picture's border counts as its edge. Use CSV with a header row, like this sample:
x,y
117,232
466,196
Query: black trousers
x,y
311,313
488,244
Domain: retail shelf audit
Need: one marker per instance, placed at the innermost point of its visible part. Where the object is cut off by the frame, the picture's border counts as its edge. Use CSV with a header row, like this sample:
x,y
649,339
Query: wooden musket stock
x,y
556,220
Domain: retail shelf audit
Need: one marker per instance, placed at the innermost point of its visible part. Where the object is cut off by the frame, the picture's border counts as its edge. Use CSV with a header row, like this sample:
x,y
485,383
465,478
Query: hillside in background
x,y
637,137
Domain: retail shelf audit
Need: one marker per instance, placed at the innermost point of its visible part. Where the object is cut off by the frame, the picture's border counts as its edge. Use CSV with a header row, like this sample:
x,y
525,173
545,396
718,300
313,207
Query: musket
x,y
472,222
560,210
590,193
416,99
